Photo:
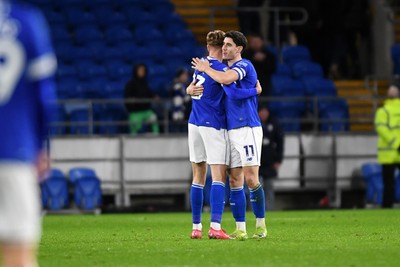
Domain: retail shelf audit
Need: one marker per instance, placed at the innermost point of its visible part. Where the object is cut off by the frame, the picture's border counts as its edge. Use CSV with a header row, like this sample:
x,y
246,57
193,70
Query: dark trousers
x,y
388,175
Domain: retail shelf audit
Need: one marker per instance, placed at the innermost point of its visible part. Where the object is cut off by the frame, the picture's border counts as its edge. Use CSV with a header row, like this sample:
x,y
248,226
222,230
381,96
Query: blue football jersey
x,y
208,109
243,112
27,64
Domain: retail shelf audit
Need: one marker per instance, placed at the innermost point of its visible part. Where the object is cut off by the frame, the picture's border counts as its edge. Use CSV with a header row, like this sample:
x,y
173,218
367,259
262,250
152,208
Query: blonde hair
x,y
216,38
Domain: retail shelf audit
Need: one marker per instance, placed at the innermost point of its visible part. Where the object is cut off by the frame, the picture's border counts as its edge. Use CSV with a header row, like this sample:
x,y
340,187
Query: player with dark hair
x,y
27,65
245,133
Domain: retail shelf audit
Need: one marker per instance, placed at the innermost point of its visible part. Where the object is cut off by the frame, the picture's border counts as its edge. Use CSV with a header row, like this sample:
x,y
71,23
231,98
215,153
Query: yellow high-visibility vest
x,y
387,125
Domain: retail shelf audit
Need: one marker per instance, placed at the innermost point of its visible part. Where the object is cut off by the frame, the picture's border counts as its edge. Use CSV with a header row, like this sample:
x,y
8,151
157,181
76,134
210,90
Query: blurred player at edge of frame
x,y
27,66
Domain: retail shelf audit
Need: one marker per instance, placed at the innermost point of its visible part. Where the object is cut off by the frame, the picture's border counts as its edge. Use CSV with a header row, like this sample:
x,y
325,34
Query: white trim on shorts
x,y
207,144
20,208
246,143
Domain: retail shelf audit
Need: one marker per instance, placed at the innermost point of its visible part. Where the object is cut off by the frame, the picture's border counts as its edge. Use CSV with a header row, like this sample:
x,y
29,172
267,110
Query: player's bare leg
x,y
19,256
257,199
238,202
218,173
196,197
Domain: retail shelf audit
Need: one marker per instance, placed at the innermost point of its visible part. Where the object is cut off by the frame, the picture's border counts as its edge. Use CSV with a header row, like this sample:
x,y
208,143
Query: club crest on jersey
x,y
241,64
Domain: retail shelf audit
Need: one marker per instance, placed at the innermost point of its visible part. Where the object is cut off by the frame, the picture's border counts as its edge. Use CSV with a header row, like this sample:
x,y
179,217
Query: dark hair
x,y
181,71
238,38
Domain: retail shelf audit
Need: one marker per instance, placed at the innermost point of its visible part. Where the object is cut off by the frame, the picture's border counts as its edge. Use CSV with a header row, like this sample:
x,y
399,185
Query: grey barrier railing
x,y
162,109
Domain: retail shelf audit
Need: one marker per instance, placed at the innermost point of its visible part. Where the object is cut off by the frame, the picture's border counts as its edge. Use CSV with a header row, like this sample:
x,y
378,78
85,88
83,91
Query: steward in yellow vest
x,y
387,125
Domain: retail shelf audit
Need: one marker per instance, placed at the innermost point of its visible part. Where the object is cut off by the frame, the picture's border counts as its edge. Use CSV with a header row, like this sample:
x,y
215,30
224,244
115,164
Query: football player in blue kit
x,y
27,65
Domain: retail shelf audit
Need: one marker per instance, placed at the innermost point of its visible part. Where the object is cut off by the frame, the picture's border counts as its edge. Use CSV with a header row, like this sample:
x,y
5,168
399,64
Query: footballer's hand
x,y
258,87
42,165
200,65
194,90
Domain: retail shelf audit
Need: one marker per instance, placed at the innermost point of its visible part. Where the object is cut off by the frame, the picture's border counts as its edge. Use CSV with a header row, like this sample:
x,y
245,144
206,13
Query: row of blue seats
x,y
74,119
91,4
85,185
103,16
170,34
305,80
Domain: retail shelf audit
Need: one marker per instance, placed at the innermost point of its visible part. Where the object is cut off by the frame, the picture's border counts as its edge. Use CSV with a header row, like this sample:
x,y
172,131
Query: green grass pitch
x,y
295,238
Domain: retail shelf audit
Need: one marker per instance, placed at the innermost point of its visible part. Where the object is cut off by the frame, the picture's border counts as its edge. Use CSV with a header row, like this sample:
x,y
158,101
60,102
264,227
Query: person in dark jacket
x,y
271,153
140,112
264,61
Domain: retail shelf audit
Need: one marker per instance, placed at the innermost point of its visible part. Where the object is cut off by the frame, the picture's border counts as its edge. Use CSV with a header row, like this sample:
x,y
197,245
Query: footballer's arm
x,y
226,77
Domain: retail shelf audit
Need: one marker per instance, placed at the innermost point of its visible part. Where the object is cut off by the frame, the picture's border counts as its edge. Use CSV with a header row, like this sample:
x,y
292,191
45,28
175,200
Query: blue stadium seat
x,y
156,70
145,34
288,114
59,116
284,86
65,70
168,20
96,50
110,114
115,89
294,54
395,54
138,17
64,51
95,88
160,50
290,111
118,69
112,53
190,49
55,191
172,36
77,173
159,84
317,86
128,50
54,18
372,173
79,119
334,115
87,190
162,8
87,70
306,69
105,16
283,70
87,34
87,193
60,34
77,17
62,4
118,33
69,87
142,54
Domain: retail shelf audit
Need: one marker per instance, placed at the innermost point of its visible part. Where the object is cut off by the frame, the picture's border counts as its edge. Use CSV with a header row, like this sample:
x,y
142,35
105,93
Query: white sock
x,y
241,226
215,226
197,226
260,222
